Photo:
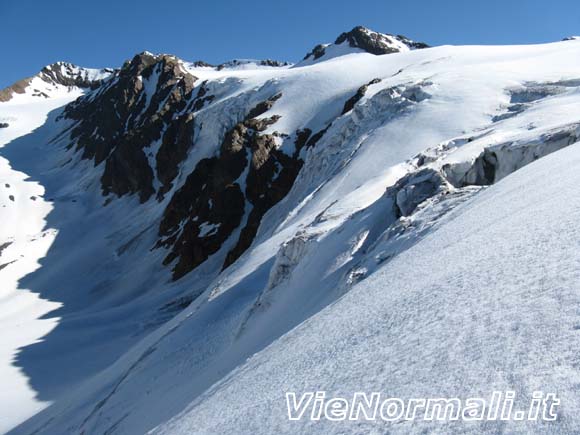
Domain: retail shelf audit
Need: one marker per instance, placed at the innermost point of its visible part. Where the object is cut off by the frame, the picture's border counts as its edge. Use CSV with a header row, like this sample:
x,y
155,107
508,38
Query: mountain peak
x,y
55,75
144,60
377,43
68,74
362,38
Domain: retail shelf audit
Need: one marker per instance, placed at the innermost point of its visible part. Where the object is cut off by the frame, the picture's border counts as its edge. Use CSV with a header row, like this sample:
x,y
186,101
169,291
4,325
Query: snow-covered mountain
x,y
181,244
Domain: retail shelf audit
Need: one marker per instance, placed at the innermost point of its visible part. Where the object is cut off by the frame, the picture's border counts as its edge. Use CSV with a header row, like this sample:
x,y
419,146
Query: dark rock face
x,y
3,246
17,88
301,140
60,73
369,41
313,140
270,178
4,125
139,126
202,97
203,214
238,62
176,142
127,169
144,103
208,199
202,64
375,43
350,103
273,63
317,52
67,74
412,44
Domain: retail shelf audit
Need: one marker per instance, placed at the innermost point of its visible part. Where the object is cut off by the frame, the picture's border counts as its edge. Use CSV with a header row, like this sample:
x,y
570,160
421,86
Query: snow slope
x,y
487,302
389,227
24,240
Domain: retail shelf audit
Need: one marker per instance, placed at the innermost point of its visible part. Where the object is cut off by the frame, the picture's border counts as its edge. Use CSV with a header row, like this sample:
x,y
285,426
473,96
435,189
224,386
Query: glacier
x,y
425,244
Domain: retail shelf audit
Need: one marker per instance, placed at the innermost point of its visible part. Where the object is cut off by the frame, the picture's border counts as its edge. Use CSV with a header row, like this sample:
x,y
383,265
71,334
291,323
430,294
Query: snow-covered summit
x,y
67,74
361,39
55,78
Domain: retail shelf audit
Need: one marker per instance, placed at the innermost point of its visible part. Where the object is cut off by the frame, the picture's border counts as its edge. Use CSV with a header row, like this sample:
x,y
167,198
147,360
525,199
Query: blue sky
x,y
105,32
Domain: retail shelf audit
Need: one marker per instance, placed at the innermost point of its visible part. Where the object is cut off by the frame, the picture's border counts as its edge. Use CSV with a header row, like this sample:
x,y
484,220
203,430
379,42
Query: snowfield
x,y
488,302
24,241
427,248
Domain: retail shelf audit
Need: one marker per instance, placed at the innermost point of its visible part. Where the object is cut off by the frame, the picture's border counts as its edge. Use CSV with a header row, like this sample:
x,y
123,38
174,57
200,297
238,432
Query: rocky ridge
x,y
369,41
138,125
58,74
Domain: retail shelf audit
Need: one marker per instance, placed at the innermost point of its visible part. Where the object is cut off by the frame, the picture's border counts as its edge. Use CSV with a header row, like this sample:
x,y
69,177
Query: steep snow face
x,y
24,241
487,302
358,178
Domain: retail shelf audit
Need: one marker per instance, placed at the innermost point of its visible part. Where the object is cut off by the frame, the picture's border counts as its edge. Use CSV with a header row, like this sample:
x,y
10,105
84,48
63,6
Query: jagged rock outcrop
x,y
270,178
235,63
145,104
67,74
58,74
301,140
349,104
212,202
140,126
19,87
377,43
372,42
202,98
317,52
274,63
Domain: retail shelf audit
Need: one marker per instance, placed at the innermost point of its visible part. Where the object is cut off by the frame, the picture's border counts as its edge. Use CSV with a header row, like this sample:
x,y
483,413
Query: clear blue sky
x,y
99,33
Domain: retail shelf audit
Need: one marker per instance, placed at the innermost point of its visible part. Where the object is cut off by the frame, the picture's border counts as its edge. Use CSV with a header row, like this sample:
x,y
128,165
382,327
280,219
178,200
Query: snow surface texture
x,y
24,240
414,255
